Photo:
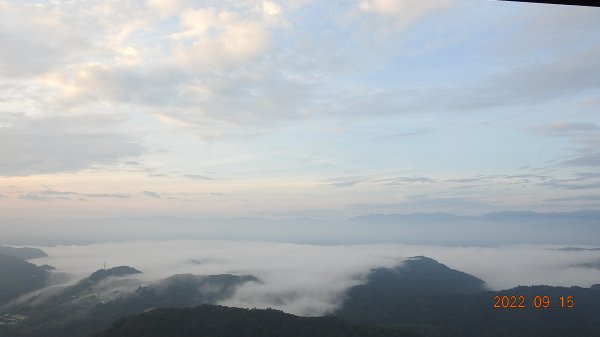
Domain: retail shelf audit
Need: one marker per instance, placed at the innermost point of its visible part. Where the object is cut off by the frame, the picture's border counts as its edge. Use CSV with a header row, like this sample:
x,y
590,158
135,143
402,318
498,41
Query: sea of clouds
x,y
311,280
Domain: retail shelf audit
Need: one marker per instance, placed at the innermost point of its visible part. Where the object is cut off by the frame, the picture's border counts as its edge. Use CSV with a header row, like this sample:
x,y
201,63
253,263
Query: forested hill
x,y
90,306
422,275
439,301
219,321
24,253
120,271
18,277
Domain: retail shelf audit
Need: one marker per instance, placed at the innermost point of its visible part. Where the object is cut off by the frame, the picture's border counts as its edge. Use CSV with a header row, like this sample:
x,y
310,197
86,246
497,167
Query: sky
x,y
297,108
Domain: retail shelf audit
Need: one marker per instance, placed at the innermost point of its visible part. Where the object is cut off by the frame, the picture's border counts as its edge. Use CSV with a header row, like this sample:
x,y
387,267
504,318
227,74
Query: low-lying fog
x,y
310,279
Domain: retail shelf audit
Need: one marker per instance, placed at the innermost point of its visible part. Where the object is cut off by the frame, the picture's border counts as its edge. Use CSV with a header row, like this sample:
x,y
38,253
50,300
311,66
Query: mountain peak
x,y
421,274
24,253
120,271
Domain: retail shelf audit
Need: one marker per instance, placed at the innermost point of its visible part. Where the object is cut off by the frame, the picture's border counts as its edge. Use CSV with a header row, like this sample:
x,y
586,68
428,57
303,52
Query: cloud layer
x,y
310,280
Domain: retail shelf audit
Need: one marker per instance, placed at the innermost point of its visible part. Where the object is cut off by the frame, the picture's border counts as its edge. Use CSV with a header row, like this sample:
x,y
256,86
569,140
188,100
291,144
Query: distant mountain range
x,y
583,215
509,227
578,249
24,253
500,228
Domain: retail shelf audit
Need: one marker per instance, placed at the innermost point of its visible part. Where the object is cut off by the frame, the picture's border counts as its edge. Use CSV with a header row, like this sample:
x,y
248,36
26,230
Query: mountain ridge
x,y
25,253
217,321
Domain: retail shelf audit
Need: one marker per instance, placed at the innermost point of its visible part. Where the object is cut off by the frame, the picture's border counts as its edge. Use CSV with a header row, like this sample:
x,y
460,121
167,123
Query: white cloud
x,y
585,135
214,38
271,8
166,7
207,66
37,39
296,4
399,13
53,144
562,129
233,70
168,120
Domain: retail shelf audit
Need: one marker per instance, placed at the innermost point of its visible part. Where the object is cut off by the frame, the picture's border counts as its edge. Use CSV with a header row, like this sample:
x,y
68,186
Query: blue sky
x,y
297,108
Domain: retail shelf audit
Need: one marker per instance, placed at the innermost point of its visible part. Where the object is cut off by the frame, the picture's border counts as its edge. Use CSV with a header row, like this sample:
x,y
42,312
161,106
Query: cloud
x,y
105,195
388,14
565,129
564,23
210,104
271,8
533,83
37,197
417,180
220,68
565,184
301,279
414,133
56,37
46,195
406,180
576,198
151,194
198,177
213,39
52,38
172,121
217,69
53,192
252,71
519,84
345,181
152,85
52,144
587,175
589,159
166,7
585,135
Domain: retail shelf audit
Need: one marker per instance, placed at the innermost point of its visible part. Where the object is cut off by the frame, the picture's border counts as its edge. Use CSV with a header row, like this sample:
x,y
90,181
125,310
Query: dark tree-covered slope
x,y
102,274
18,277
443,302
95,302
410,293
218,321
